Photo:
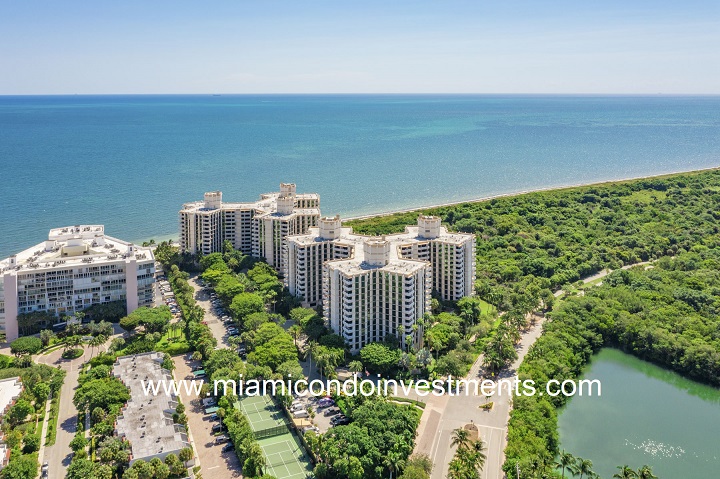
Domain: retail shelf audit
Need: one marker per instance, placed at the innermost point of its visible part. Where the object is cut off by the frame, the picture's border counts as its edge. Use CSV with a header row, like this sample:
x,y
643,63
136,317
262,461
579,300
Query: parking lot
x,y
214,463
214,313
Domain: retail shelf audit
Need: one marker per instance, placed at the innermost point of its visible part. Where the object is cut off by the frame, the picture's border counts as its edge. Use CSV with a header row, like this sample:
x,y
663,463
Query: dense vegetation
x,y
375,444
22,425
668,314
533,243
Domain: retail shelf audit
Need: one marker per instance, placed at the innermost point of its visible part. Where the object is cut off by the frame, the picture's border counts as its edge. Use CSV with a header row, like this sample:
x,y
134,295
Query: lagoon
x,y
646,415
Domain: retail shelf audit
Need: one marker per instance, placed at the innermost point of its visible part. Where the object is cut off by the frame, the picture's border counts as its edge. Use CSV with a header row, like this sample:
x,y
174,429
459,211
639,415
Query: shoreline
x,y
534,190
175,238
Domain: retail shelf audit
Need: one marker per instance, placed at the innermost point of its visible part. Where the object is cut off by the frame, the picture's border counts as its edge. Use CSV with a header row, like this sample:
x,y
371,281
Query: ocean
x,y
130,162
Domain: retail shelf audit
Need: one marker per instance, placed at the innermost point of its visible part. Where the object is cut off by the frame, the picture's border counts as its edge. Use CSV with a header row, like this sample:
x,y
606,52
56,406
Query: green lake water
x,y
646,415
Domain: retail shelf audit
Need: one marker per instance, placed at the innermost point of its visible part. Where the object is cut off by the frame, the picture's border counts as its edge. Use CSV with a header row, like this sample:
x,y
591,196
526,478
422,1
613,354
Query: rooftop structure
x,y
10,390
146,421
76,267
257,228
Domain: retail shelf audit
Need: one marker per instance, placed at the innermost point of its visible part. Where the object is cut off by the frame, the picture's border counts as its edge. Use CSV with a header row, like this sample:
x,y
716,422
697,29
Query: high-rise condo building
x,y
258,228
370,287
77,267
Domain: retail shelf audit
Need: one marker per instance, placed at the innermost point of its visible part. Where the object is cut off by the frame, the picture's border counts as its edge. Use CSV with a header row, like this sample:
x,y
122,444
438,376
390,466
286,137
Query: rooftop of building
x,y
72,246
146,420
10,389
357,264
266,204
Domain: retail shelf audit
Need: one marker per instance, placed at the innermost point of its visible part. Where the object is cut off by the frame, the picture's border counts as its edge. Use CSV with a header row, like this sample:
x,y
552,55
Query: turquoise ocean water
x,y
130,162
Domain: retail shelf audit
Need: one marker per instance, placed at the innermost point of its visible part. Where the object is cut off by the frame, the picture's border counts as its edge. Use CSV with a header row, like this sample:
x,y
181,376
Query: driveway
x,y
213,321
445,413
213,463
59,455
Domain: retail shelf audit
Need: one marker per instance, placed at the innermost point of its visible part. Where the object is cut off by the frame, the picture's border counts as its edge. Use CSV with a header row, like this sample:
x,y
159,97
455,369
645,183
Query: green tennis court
x,y
286,458
266,419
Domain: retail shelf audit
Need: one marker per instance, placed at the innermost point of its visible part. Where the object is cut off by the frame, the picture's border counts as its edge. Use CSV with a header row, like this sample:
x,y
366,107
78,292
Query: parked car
x,y
218,428
300,414
331,412
222,439
234,333
214,417
340,421
228,447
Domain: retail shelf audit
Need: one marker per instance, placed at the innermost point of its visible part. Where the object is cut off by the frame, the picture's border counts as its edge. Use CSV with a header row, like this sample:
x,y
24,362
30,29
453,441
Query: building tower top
x,y
285,205
330,227
429,226
287,189
377,252
213,200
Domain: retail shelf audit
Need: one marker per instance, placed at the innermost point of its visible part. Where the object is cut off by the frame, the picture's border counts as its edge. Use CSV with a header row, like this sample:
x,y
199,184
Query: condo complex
x,y
146,421
76,267
368,287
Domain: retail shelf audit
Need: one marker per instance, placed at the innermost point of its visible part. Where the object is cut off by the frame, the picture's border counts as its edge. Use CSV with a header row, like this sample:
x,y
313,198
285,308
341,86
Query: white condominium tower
x,y
258,228
77,267
316,261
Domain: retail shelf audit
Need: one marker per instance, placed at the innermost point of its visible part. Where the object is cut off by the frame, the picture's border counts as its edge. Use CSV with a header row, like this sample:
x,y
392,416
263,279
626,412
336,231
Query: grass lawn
x,y
485,307
173,342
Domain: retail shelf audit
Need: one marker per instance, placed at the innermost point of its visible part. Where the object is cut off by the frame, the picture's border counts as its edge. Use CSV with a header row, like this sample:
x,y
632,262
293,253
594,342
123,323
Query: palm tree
x,y
355,367
477,447
584,467
461,438
645,472
295,331
565,460
625,473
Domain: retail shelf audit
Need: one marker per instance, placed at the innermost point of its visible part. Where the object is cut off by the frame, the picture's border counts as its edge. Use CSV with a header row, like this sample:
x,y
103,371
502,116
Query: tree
x,y
356,367
78,442
379,358
645,472
185,455
461,438
584,468
245,304
564,461
160,469
625,472
20,411
41,391
100,393
22,467
46,336
295,330
31,444
26,345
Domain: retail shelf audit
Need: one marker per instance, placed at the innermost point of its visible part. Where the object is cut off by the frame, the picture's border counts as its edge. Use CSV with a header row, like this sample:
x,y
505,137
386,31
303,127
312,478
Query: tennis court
x,y
286,458
266,419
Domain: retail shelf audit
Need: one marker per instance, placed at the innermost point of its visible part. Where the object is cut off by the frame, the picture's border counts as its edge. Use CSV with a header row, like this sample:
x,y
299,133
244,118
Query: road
x,y
445,413
216,326
213,463
59,455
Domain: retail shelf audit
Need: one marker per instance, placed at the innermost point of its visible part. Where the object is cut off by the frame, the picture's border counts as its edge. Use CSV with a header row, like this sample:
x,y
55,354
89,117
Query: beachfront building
x,y
146,421
76,267
258,228
10,390
366,297
375,293
452,256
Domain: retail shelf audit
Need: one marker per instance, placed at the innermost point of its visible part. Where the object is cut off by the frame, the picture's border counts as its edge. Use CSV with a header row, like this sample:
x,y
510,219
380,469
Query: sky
x,y
368,46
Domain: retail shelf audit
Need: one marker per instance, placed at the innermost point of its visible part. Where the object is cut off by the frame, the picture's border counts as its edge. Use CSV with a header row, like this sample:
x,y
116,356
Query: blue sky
x,y
345,46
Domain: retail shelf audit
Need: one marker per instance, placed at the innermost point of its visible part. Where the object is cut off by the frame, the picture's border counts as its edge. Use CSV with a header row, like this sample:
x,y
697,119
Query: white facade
x,y
372,287
77,266
146,421
257,228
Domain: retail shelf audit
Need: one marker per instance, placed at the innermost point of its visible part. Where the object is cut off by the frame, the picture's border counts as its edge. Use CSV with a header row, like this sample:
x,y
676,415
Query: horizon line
x,y
596,94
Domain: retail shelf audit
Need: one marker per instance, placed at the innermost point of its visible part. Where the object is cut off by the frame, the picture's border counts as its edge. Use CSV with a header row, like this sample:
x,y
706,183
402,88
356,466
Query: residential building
x,y
258,228
375,293
314,263
77,267
146,421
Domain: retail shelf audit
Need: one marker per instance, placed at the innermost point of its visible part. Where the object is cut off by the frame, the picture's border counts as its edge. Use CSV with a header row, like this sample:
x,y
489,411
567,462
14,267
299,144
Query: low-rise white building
x,y
258,228
77,267
146,421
